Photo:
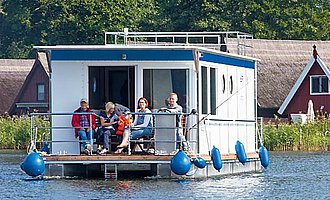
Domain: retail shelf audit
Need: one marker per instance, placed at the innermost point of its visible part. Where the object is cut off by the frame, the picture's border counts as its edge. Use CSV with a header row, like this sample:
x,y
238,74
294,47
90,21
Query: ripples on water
x,y
291,175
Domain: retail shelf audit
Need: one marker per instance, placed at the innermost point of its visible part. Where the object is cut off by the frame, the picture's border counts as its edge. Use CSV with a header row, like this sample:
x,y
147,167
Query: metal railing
x,y
176,143
222,41
35,130
178,131
260,132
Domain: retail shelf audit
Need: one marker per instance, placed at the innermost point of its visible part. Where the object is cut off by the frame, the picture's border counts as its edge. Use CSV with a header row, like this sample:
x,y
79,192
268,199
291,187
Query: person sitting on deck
x,y
84,124
108,119
173,107
142,125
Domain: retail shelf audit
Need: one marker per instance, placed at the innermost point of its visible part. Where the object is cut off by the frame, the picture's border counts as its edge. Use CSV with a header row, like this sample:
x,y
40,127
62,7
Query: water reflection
x,y
290,176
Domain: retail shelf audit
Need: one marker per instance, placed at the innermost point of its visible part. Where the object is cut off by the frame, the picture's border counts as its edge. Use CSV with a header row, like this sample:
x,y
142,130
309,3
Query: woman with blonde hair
x,y
107,119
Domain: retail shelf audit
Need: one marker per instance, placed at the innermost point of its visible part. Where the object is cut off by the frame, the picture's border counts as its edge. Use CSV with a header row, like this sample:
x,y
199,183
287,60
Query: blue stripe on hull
x,y
144,55
227,60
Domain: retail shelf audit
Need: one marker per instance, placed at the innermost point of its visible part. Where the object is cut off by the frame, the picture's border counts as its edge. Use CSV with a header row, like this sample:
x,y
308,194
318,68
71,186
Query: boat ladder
x,y
111,171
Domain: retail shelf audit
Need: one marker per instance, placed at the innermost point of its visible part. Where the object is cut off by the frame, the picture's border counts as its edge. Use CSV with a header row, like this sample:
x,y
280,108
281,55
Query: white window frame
x,y
311,82
208,90
41,92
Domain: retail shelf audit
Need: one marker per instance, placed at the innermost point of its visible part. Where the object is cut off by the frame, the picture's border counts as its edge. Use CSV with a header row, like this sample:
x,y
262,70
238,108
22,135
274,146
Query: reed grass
x,y
311,136
15,131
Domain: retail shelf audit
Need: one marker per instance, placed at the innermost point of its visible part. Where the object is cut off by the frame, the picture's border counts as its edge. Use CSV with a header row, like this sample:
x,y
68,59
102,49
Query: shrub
x,y
15,131
310,136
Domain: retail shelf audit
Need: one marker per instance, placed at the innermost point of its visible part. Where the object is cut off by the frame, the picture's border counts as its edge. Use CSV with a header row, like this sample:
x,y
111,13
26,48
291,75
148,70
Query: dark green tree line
x,y
25,23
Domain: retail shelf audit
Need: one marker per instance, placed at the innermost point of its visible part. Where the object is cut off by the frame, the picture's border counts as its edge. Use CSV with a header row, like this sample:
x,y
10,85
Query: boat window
x,y
204,90
158,83
213,91
231,84
223,83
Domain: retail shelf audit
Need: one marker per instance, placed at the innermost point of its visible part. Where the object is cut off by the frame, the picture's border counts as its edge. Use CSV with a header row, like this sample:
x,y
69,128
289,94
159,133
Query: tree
x,y
49,22
269,19
25,23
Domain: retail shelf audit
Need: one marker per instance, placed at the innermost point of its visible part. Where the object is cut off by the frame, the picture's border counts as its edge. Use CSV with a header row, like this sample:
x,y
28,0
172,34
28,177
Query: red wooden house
x,y
34,94
313,84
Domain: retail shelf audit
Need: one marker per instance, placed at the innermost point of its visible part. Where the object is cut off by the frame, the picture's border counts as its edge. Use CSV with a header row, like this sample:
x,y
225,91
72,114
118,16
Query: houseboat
x,y
211,73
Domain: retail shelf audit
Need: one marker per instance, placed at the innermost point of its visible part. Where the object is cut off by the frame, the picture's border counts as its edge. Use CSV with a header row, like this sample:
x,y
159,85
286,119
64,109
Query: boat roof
x,y
233,44
143,47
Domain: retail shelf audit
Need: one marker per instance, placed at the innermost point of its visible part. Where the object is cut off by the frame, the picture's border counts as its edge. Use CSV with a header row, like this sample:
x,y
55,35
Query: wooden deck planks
x,y
114,157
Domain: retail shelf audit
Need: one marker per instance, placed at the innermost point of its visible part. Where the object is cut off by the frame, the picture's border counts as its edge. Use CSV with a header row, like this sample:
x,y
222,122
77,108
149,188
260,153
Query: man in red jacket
x,y
84,127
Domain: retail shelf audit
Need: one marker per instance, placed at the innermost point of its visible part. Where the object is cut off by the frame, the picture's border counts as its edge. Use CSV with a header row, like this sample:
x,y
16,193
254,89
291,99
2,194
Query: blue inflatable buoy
x,y
33,164
199,162
180,163
240,152
216,158
263,155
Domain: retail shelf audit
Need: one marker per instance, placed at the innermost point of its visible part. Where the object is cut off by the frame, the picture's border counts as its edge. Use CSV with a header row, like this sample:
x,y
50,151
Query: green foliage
x,y
50,22
297,136
25,24
15,132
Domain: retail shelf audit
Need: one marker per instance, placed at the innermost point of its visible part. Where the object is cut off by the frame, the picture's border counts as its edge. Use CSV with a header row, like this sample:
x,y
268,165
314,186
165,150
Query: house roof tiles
x,y
12,75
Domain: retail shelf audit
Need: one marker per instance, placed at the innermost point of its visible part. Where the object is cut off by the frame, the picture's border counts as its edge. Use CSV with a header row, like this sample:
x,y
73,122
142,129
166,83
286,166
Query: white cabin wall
x,y
250,96
232,92
232,108
251,111
242,88
69,85
222,94
223,110
236,105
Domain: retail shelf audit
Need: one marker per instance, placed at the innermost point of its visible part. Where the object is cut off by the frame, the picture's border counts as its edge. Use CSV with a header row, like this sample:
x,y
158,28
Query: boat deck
x,y
113,165
126,159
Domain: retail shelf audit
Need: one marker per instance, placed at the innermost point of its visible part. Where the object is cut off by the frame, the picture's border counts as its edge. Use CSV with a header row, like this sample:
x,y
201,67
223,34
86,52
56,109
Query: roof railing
x,y
224,41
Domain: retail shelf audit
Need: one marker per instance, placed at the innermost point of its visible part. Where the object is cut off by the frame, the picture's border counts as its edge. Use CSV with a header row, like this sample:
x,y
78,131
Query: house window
x,y
40,92
319,85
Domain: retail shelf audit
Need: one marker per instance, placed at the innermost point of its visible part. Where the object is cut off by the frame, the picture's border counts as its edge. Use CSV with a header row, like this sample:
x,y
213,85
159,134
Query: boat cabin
x,y
220,86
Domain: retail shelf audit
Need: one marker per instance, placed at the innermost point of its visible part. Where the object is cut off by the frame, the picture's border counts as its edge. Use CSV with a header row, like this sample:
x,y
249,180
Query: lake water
x,y
291,175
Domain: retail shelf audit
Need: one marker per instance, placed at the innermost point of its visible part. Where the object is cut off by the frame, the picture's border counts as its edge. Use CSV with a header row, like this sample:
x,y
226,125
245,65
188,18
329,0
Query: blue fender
x,y
199,162
240,152
263,155
216,158
180,163
33,164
